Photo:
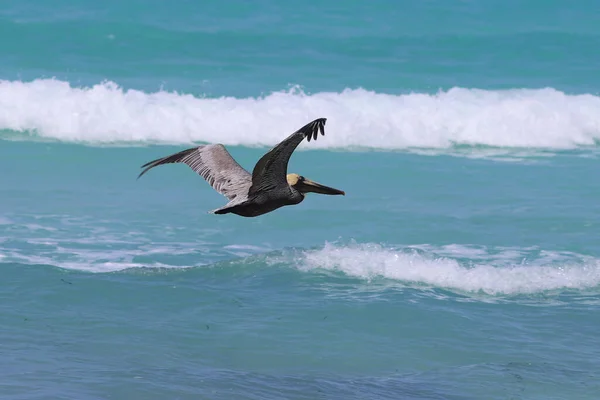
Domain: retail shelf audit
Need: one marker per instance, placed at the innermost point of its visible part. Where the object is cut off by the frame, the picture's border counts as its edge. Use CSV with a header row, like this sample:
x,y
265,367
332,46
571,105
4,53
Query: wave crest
x,y
105,113
461,268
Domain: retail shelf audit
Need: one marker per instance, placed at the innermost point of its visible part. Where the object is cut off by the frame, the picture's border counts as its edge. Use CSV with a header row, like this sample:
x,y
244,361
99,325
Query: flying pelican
x,y
268,188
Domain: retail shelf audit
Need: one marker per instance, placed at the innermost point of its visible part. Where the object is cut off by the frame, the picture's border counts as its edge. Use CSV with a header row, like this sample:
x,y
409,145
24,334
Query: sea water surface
x,y
463,262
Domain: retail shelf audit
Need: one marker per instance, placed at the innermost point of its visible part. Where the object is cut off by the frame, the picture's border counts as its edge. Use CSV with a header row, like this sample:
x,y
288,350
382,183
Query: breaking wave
x,y
106,113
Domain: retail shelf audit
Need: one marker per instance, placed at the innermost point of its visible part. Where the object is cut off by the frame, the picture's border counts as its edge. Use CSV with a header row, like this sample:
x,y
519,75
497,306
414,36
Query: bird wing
x,y
214,163
271,170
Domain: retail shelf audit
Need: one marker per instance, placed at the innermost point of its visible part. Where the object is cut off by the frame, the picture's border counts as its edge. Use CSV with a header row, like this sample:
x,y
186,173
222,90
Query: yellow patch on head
x,y
292,179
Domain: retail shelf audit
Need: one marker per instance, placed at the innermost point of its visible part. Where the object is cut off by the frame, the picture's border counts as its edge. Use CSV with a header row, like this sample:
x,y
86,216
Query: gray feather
x,y
214,164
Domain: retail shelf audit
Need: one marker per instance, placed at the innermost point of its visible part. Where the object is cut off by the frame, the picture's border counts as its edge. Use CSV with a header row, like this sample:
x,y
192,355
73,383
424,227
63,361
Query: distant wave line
x,y
48,109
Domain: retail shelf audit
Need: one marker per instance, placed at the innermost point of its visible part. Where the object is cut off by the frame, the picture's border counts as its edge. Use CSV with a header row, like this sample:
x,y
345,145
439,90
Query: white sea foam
x,y
460,268
105,113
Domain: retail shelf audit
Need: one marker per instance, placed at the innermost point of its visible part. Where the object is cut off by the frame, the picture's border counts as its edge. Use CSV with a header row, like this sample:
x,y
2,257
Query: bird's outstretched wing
x,y
271,170
214,163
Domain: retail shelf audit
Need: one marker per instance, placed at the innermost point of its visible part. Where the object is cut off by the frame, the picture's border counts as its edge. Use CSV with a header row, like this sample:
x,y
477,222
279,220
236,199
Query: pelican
x,y
268,188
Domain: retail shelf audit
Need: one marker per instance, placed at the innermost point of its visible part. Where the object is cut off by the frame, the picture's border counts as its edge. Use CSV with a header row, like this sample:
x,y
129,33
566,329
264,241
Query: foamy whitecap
x,y
457,267
105,113
506,272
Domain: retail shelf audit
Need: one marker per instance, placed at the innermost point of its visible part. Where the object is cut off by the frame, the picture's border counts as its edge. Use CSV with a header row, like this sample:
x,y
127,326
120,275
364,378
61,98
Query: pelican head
x,y
304,186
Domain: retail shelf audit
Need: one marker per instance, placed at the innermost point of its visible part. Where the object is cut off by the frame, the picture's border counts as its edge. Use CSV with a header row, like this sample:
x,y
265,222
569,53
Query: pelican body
x,y
268,188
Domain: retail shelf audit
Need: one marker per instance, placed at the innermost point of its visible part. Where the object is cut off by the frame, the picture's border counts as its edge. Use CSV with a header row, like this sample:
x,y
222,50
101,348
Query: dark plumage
x,y
268,187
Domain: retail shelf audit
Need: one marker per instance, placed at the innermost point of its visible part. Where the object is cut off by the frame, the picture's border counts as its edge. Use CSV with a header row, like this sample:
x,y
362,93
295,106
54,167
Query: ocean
x,y
462,263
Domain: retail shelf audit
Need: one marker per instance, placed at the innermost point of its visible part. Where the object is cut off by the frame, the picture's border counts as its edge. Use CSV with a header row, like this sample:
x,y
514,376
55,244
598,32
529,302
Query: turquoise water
x,y
463,262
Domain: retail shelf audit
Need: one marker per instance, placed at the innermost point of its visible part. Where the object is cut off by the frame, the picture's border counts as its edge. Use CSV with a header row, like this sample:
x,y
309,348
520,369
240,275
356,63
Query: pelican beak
x,y
307,186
